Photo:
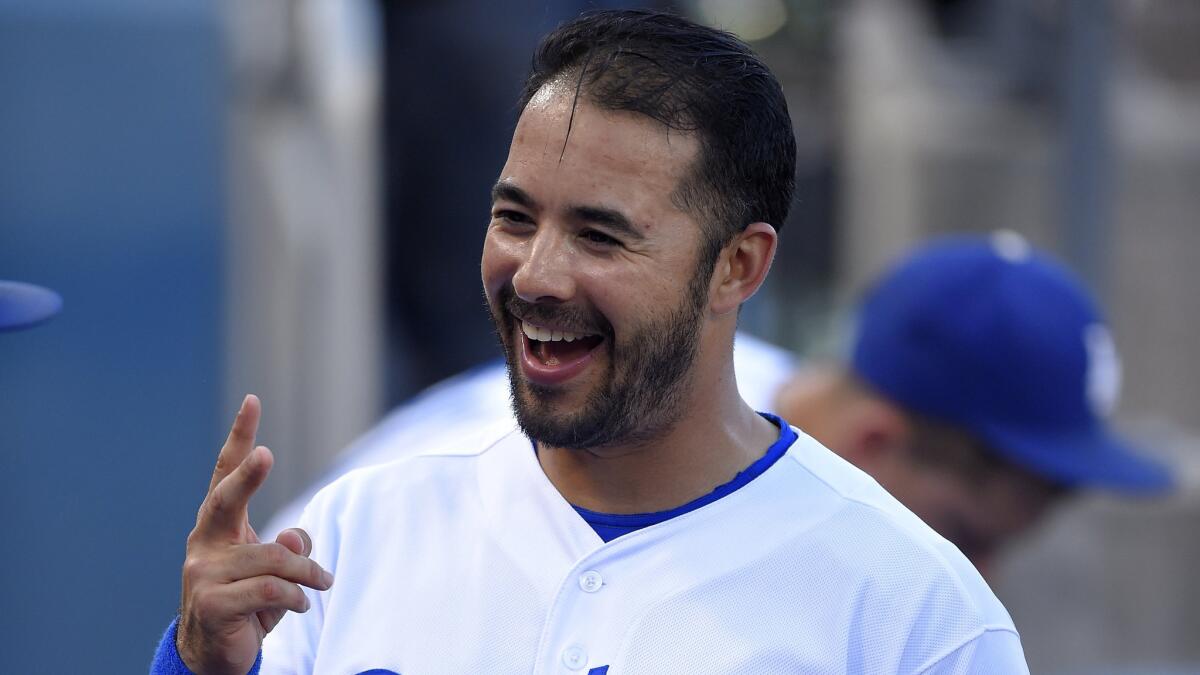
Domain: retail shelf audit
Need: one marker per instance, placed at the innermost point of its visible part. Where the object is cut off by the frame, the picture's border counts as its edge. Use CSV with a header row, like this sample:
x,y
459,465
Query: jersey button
x,y
574,657
591,581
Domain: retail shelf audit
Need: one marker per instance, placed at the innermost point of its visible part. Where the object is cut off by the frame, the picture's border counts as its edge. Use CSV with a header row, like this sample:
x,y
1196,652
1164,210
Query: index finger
x,y
240,441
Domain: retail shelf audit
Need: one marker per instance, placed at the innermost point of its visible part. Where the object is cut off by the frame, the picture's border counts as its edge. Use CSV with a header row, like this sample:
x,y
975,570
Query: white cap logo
x,y
1011,246
1103,370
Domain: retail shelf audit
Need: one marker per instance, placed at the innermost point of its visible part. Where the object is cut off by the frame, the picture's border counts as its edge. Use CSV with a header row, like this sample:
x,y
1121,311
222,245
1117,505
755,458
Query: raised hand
x,y
235,589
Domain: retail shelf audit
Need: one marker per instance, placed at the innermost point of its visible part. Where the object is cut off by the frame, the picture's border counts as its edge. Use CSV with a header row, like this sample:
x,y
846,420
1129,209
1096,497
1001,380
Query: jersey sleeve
x,y
994,652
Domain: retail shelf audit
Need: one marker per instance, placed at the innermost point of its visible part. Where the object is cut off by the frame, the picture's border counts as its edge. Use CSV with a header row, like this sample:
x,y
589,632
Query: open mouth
x,y
556,348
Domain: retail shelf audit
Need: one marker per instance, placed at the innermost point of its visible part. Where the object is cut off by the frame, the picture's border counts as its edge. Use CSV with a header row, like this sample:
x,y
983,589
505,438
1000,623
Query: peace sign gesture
x,y
235,589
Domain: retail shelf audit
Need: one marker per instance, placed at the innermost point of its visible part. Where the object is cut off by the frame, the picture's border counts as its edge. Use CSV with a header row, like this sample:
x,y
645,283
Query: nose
x,y
545,274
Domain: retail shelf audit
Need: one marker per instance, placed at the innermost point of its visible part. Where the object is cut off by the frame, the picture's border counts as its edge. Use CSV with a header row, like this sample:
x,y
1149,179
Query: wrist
x,y
167,660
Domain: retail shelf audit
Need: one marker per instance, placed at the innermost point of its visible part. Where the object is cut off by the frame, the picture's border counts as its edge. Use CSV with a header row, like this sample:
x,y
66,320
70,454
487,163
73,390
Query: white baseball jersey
x,y
468,560
480,397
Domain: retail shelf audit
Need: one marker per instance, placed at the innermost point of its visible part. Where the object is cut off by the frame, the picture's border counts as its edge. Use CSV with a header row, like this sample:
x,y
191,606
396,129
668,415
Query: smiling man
x,y
642,518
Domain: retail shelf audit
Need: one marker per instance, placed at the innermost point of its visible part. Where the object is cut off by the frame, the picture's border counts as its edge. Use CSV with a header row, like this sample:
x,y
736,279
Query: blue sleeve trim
x,y
166,657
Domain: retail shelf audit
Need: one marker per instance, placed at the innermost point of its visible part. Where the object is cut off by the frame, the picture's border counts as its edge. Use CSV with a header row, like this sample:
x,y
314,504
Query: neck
x,y
715,437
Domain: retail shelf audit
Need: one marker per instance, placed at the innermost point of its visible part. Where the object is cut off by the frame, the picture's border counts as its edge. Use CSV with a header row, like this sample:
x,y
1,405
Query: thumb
x,y
295,540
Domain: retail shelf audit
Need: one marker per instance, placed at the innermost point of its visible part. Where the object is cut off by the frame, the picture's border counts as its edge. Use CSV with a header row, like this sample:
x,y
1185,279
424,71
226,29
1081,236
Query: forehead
x,y
571,150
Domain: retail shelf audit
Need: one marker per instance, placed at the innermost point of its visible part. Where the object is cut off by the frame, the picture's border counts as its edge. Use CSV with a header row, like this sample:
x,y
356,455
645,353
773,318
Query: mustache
x,y
567,317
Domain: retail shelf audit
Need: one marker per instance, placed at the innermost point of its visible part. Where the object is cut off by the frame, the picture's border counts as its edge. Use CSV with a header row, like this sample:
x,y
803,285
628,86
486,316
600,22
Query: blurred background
x,y
289,196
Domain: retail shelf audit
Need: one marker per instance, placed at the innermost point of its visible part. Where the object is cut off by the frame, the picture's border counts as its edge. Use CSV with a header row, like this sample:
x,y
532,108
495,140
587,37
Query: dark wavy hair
x,y
692,79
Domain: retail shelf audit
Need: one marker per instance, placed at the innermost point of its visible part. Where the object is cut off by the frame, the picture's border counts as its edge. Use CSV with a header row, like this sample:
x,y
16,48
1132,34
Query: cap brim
x,y
1091,458
23,305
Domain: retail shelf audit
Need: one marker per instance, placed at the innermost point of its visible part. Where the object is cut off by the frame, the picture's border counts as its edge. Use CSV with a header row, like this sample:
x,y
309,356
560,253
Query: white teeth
x,y
546,335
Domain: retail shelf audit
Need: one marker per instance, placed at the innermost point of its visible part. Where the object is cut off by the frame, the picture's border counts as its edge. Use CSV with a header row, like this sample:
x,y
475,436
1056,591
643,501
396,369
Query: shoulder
x,y
378,512
441,464
438,416
755,352
761,369
894,559
479,395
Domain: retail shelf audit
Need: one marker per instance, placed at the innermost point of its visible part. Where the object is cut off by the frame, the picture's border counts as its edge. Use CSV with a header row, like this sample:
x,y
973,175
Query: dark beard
x,y
648,380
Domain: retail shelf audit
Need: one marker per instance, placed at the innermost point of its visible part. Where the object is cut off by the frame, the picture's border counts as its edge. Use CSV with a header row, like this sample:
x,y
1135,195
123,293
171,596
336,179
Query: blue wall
x,y
111,193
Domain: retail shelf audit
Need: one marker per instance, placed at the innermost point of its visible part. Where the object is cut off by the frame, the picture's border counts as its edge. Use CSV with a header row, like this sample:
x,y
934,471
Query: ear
x,y
741,267
876,437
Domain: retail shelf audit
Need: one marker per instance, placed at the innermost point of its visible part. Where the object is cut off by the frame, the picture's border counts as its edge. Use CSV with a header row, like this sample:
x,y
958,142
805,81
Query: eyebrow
x,y
512,193
609,218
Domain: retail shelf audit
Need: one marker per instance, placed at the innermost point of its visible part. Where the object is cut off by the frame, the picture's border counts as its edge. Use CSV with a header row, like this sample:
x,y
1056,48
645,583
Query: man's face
x,y
591,275
979,515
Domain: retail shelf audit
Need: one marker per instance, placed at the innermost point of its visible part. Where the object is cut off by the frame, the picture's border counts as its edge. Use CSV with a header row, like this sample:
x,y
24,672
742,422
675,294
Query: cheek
x,y
642,291
1013,512
935,498
622,295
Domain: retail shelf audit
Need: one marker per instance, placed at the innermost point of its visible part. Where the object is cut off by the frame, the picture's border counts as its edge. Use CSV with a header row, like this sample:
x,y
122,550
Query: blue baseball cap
x,y
996,338
23,305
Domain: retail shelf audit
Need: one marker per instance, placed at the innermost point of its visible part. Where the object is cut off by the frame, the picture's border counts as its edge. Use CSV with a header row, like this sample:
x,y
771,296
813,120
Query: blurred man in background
x,y
976,392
